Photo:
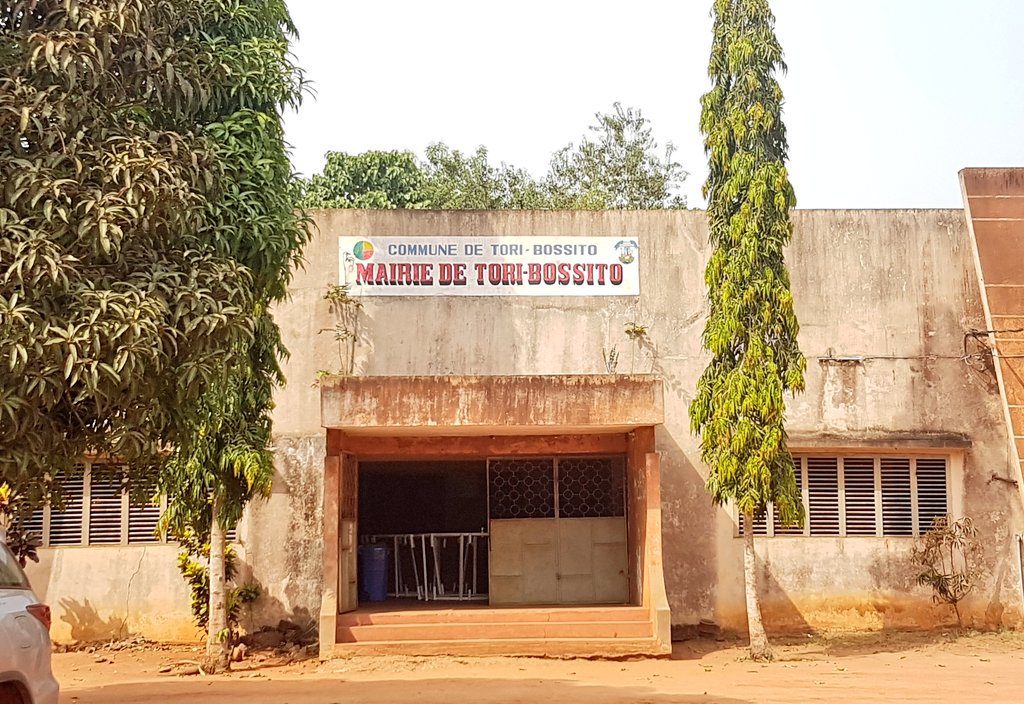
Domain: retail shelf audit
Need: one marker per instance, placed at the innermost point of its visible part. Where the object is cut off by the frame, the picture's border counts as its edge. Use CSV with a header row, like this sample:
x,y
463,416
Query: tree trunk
x,y
218,642
760,650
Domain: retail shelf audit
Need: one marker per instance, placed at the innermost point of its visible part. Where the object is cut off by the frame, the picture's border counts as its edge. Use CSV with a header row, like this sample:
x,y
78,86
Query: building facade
x,y
543,438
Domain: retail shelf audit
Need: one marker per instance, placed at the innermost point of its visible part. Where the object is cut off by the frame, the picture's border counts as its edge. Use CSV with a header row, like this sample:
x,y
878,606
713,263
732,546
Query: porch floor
x,y
408,604
418,611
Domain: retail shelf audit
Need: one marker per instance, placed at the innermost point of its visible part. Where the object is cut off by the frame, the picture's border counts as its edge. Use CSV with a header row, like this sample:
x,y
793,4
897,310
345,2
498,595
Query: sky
x,y
886,100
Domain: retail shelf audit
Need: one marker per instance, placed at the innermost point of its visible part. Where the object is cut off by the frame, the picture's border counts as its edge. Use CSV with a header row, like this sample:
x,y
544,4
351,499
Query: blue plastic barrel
x,y
373,572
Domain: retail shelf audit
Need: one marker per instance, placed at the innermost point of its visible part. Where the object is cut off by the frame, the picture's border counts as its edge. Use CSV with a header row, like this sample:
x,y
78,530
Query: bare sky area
x,y
885,99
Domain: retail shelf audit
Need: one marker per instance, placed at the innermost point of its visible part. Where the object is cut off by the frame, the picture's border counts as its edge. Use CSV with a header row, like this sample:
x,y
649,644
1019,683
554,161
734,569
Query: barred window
x,y
865,495
556,487
96,510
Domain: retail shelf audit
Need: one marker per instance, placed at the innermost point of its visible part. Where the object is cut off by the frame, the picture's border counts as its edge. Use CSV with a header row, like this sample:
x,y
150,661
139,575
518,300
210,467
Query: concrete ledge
x,y
490,404
589,648
878,441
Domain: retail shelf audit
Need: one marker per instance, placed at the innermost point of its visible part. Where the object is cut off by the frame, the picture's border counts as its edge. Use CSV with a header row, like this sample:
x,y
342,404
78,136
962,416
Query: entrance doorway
x,y
514,531
564,423
431,518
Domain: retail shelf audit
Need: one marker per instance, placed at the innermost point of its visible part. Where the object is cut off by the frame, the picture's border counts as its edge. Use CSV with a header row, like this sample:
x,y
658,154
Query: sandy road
x,y
985,668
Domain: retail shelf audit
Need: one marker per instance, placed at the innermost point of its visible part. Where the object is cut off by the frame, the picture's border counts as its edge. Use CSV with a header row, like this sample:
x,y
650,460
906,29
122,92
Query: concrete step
x,y
553,648
589,614
504,630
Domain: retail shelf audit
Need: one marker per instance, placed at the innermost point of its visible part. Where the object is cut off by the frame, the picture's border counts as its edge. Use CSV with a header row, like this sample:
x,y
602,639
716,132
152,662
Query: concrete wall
x,y
111,592
897,288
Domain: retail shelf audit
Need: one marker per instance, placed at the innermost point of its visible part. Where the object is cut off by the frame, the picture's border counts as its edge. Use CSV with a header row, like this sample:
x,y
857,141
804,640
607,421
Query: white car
x,y
25,675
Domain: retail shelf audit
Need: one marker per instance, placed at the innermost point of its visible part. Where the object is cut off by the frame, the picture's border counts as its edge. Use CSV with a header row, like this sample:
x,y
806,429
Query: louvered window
x,y
781,529
142,520
95,510
34,523
932,498
66,520
862,495
823,495
760,525
105,494
859,485
897,513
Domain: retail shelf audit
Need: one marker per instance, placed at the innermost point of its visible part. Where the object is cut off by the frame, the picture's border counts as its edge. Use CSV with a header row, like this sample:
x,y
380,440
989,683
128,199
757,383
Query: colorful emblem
x,y
363,250
627,250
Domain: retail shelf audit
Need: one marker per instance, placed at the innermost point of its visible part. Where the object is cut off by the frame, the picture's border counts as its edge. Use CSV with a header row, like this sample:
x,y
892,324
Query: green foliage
x,y
458,181
14,509
635,331
192,563
146,207
245,594
374,179
619,169
950,555
223,445
751,331
149,222
197,577
24,545
226,453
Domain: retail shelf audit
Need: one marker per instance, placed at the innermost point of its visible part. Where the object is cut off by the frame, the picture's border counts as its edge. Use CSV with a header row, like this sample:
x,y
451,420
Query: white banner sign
x,y
490,266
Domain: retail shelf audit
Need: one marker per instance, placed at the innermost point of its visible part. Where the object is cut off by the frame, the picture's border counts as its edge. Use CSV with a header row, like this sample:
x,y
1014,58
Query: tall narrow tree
x,y
751,330
221,458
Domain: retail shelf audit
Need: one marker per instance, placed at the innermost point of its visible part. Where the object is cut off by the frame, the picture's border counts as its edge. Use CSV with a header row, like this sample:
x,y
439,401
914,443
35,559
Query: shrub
x,y
193,563
950,554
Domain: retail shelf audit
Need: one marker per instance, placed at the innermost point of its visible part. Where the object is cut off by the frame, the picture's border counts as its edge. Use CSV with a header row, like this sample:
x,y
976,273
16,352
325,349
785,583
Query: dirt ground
x,y
849,668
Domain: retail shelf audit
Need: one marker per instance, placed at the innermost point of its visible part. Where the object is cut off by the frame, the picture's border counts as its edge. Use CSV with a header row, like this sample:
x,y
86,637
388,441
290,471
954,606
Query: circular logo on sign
x,y
363,250
627,250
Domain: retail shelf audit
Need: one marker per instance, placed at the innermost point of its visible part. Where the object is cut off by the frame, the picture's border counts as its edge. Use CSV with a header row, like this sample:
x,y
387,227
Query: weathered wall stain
x,y
282,540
